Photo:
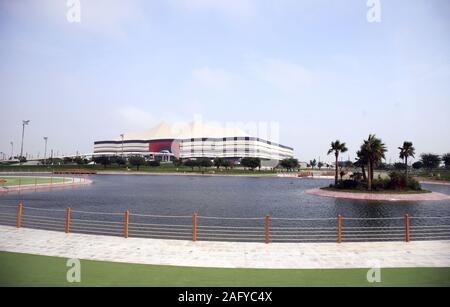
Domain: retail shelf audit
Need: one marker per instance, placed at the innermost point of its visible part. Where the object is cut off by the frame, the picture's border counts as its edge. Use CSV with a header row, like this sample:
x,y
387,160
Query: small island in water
x,y
371,152
394,183
363,185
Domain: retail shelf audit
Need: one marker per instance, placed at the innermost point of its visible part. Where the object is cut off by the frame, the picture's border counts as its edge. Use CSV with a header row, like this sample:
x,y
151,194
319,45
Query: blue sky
x,y
318,68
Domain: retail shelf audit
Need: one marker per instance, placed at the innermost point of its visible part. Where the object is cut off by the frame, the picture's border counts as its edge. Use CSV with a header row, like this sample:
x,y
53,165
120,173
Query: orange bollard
x,y
125,230
267,229
339,228
19,215
67,220
407,227
194,227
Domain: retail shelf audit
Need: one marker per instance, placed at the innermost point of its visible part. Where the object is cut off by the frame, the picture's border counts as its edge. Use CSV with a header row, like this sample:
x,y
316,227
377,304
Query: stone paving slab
x,y
226,254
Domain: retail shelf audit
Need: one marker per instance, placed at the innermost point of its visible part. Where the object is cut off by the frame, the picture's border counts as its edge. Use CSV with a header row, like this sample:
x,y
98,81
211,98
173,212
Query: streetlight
x,y
45,151
24,123
122,136
12,150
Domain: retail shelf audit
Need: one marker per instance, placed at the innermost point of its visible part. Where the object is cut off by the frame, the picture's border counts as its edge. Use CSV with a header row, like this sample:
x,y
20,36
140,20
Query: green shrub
x,y
396,181
357,176
414,185
154,163
381,184
417,165
399,181
349,184
399,166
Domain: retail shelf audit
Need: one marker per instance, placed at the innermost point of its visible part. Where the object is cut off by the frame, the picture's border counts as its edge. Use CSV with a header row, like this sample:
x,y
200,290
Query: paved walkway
x,y
435,182
226,254
433,196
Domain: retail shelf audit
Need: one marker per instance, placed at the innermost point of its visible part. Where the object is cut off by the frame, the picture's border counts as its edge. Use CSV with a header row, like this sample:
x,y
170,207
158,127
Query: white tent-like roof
x,y
195,129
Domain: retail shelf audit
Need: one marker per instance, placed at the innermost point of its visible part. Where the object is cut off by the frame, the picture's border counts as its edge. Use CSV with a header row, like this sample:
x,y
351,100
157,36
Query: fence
x,y
207,228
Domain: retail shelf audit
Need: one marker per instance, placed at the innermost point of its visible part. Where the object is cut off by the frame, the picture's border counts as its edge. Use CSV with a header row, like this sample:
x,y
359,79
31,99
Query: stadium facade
x,y
193,140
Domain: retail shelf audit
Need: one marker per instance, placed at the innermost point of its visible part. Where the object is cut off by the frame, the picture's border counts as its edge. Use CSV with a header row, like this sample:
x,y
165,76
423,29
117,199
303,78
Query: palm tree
x,y
361,161
374,150
405,152
337,147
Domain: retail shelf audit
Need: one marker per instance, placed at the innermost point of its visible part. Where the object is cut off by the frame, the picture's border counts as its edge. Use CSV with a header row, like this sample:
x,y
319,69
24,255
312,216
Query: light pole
x,y
45,151
122,136
12,150
24,123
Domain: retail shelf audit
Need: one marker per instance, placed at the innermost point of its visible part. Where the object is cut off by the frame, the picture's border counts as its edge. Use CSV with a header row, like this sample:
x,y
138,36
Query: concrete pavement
x,y
226,254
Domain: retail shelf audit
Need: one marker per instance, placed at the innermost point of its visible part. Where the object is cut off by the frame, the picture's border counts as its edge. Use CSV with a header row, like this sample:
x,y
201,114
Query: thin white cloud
x,y
109,16
211,78
131,118
285,76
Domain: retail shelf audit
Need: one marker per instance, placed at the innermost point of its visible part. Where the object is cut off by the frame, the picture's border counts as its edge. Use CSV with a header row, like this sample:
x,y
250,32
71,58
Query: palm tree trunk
x,y
337,170
363,172
406,166
369,177
371,170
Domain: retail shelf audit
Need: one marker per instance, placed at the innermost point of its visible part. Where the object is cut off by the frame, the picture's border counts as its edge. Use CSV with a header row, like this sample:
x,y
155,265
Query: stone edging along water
x,y
433,196
72,182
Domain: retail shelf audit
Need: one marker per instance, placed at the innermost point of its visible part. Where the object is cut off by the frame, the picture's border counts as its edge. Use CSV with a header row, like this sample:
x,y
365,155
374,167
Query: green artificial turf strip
x,y
11,181
32,270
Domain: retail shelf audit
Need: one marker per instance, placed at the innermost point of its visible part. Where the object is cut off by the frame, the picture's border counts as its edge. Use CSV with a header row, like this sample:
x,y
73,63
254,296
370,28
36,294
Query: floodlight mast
x,y
24,123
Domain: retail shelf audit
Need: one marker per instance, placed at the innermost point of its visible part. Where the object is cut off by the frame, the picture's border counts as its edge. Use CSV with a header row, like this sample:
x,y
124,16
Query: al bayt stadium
x,y
167,142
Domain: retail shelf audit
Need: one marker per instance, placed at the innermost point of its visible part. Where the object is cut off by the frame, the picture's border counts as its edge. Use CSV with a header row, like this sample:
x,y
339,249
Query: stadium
x,y
167,142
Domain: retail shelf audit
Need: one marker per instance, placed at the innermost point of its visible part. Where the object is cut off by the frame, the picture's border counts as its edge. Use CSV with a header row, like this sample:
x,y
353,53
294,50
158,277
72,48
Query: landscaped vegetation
x,y
429,167
371,154
370,160
337,148
177,167
244,166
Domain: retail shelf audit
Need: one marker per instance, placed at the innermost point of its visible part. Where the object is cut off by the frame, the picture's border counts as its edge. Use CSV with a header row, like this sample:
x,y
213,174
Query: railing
x,y
208,228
